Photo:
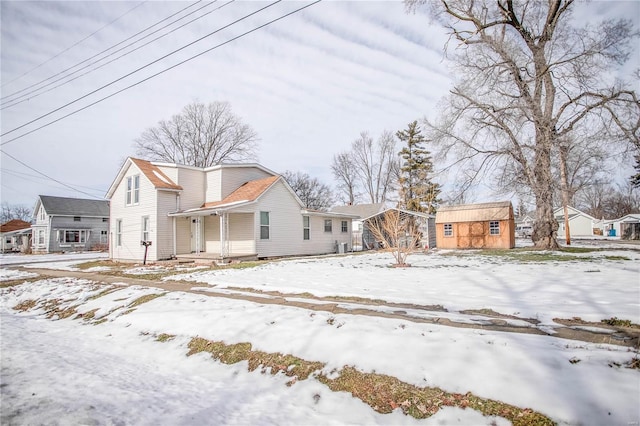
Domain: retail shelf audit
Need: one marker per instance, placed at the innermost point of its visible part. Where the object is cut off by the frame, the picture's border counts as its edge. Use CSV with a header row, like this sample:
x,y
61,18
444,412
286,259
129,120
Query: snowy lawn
x,y
593,286
102,362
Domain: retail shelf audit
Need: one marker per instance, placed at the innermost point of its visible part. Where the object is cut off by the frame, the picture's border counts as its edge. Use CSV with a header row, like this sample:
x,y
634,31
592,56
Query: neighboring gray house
x,y
69,224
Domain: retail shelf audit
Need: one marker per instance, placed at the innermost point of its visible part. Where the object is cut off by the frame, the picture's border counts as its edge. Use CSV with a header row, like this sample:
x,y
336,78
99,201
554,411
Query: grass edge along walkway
x,y
381,392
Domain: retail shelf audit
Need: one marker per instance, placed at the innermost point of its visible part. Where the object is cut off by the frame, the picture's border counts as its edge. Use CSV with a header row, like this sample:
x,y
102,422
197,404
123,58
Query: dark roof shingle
x,y
74,206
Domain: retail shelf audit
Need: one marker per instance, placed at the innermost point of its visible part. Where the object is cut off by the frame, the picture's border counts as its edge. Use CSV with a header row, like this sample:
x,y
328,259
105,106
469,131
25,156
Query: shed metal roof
x,y
360,210
500,210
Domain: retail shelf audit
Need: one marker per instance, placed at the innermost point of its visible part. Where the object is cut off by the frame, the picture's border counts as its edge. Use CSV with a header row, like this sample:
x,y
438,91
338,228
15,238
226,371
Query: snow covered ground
x,y
73,372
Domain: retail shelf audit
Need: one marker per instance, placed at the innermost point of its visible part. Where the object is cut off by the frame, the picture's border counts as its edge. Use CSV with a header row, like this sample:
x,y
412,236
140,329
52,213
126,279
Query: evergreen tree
x,y
417,191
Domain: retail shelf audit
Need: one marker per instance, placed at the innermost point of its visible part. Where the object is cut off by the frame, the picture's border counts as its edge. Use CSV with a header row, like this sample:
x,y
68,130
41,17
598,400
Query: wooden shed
x,y
486,225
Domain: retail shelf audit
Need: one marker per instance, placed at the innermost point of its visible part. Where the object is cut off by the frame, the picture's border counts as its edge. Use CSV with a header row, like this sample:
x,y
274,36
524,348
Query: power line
x,y
158,73
140,68
75,44
49,177
15,101
22,176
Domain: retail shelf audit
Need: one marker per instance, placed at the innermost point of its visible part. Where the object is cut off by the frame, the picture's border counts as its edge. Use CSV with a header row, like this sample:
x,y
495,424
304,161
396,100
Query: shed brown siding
x,y
470,225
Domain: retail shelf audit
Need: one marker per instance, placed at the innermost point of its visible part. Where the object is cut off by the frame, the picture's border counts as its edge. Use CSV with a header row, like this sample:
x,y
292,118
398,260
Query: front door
x,y
197,234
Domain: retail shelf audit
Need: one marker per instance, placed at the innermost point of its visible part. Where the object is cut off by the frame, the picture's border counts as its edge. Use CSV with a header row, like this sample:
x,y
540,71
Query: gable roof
x,y
573,213
155,175
247,192
14,225
360,210
409,212
150,170
500,210
62,206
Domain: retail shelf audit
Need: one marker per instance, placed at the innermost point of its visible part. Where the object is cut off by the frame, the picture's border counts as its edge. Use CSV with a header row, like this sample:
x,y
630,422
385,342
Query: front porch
x,y
219,237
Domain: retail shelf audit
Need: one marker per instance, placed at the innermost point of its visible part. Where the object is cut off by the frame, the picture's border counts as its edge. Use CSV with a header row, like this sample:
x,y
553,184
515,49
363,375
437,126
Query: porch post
x,y
175,251
197,234
223,217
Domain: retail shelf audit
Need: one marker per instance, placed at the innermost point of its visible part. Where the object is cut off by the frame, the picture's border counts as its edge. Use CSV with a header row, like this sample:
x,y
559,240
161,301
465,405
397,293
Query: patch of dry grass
x,y
291,366
104,292
144,299
164,337
25,305
381,392
386,393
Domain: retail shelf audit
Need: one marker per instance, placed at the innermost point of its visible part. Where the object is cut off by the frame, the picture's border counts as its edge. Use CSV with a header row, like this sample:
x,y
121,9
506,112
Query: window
x,y
41,214
76,218
41,237
494,227
7,240
344,227
72,236
133,190
145,228
328,225
103,237
264,225
306,232
119,232
448,230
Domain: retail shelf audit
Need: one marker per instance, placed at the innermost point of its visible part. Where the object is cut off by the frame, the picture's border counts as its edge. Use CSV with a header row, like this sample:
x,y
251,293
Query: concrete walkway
x,y
566,329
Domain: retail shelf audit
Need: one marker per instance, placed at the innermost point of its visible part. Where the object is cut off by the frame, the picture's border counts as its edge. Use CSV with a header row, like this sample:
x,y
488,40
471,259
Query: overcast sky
x,y
308,84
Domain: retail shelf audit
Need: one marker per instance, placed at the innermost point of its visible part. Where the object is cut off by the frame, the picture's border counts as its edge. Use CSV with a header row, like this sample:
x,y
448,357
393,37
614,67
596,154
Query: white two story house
x,y
220,212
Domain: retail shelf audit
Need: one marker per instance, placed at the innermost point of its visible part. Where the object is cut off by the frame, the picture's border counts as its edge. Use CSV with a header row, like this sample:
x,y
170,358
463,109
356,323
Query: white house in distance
x,y
217,213
580,223
626,227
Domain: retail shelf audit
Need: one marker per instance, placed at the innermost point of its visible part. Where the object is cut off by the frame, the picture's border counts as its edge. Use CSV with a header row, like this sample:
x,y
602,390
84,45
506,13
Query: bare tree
x,y
313,193
344,171
623,201
201,135
529,79
376,165
9,212
397,233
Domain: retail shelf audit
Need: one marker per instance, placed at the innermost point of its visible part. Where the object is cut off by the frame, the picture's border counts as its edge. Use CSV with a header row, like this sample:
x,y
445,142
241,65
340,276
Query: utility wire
x,y
140,68
6,101
161,72
22,175
49,177
75,44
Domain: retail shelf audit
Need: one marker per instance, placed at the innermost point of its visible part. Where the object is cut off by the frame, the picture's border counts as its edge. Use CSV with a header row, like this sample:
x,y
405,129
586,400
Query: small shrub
x,y
614,321
164,337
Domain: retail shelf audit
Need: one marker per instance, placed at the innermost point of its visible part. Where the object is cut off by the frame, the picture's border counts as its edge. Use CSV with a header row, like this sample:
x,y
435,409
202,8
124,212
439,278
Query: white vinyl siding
x,y
234,177
223,180
286,227
130,249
